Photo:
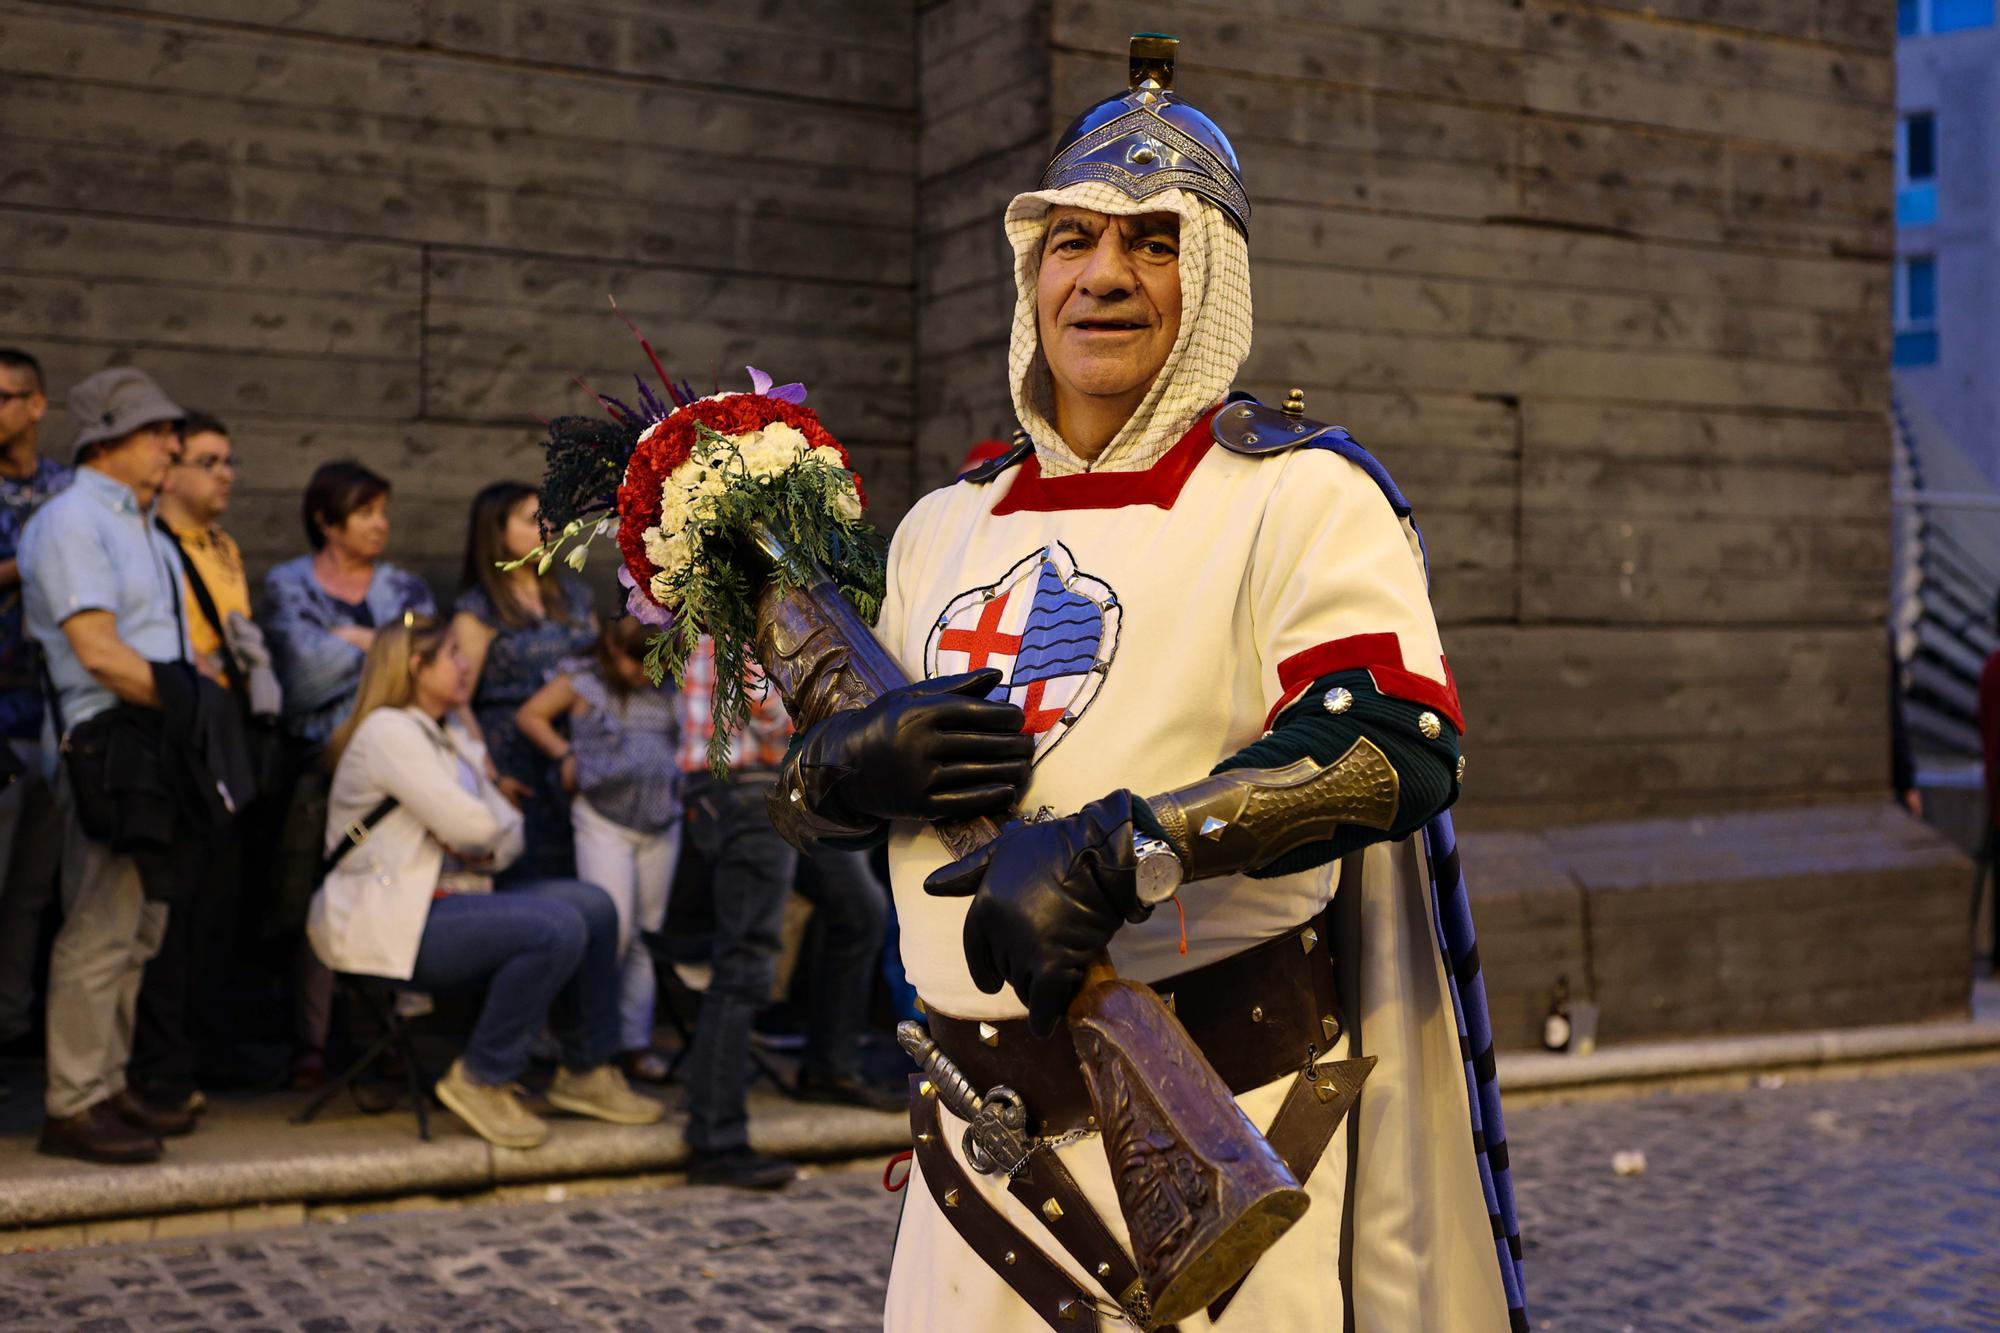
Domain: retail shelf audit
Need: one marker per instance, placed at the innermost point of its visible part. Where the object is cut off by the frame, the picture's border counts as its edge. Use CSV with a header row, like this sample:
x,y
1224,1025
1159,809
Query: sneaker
x,y
848,1090
744,1168
603,1094
494,1114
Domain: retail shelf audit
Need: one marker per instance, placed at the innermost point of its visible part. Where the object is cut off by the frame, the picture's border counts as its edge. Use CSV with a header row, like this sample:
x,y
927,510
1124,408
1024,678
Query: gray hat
x,y
113,403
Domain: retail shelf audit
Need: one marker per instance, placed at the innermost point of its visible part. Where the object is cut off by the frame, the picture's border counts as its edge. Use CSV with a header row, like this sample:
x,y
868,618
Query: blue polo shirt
x,y
92,549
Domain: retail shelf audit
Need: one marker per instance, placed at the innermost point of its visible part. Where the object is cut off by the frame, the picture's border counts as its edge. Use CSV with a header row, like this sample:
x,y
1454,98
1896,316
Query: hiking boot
x,y
99,1134
493,1113
166,1121
603,1094
744,1168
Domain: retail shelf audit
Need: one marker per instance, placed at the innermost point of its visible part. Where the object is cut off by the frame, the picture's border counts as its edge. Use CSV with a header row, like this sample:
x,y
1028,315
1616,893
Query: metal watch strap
x,y
1248,817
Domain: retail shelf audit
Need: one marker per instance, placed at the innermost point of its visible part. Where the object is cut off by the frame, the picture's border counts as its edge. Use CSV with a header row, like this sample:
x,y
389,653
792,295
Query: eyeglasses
x,y
212,463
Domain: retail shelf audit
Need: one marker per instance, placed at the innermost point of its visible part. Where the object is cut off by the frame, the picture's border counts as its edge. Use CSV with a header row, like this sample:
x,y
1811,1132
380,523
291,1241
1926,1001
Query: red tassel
x,y
890,1170
1181,907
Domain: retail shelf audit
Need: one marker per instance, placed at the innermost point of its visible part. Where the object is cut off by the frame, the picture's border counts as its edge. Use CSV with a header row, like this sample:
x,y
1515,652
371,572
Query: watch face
x,y
1158,875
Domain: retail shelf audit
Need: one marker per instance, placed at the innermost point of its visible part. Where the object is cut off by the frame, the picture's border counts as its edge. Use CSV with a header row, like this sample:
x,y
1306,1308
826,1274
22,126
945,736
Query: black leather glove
x,y
934,749
1045,899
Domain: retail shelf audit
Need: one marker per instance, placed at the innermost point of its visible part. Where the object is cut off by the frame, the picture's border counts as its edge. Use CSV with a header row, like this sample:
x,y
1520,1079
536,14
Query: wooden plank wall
x,y
1604,282
385,229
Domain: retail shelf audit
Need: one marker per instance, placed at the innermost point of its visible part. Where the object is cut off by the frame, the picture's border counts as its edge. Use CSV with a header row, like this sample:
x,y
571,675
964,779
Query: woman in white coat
x,y
414,900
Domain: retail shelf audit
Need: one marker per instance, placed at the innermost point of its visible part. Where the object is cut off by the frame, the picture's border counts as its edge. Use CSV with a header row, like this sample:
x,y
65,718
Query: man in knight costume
x,y
1186,639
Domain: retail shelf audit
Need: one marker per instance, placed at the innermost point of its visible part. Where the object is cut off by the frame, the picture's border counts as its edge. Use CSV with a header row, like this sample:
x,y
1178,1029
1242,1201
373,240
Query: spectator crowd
x,y
223,812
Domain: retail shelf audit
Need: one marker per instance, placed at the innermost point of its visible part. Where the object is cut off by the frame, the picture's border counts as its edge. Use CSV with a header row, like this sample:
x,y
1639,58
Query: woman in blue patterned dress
x,y
515,627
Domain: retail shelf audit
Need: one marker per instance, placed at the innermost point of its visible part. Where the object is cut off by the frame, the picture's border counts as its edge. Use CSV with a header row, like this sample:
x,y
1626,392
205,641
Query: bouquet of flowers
x,y
710,498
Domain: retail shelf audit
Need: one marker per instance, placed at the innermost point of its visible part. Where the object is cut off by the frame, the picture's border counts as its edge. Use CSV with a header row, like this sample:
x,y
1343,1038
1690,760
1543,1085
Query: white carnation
x,y
847,502
772,449
828,455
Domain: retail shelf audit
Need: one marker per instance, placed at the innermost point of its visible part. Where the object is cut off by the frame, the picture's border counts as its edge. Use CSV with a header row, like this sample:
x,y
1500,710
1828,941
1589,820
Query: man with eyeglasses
x,y
188,1007
102,589
28,847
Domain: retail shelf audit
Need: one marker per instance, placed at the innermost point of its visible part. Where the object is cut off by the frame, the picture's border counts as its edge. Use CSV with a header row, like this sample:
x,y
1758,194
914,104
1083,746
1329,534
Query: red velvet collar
x,y
1159,485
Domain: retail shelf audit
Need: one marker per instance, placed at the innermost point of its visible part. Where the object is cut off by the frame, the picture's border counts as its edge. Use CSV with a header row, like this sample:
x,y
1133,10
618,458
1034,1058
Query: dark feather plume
x,y
586,463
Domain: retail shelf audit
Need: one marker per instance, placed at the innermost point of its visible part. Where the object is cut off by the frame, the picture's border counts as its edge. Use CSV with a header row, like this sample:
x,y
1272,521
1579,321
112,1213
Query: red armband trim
x,y
1381,656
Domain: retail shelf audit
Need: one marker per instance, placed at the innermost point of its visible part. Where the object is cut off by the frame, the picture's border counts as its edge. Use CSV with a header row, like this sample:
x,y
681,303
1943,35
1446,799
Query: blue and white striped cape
x,y
1458,942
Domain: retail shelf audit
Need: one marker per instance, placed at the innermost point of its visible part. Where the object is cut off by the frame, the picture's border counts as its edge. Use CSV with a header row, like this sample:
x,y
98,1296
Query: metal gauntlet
x,y
1248,817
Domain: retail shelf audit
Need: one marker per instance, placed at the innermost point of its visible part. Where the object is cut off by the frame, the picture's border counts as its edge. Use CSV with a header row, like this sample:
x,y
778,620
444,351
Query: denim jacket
x,y
317,670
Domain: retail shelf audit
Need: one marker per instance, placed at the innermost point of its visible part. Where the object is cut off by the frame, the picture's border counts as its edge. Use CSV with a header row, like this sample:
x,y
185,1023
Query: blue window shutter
x,y
1906,18
1916,205
1916,349
1921,275
1954,15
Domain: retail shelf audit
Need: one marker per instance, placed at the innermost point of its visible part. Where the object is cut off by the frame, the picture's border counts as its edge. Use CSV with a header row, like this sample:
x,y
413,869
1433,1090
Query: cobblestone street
x,y
1865,1204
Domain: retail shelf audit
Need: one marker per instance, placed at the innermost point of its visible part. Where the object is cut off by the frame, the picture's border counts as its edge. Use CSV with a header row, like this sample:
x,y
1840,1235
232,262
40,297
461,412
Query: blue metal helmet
x,y
1147,140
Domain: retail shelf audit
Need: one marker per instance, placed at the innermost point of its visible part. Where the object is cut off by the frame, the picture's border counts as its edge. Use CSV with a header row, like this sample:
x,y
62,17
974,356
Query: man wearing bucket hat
x,y
1226,605
102,588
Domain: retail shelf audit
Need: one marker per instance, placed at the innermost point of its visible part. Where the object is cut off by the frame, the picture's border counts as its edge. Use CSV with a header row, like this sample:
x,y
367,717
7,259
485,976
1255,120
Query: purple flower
x,y
641,607
760,383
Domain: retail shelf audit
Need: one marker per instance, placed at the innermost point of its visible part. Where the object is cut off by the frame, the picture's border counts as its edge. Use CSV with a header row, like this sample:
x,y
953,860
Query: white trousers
x,y
637,870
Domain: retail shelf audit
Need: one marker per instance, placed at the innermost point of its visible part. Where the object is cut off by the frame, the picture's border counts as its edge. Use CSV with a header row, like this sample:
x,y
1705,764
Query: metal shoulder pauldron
x,y
1248,817
1250,427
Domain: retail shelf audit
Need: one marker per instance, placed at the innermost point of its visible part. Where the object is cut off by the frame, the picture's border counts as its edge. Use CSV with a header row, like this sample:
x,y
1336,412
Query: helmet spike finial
x,y
1152,58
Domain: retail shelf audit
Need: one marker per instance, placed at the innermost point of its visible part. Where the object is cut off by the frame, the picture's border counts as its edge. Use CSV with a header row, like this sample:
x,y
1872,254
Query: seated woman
x,y
414,900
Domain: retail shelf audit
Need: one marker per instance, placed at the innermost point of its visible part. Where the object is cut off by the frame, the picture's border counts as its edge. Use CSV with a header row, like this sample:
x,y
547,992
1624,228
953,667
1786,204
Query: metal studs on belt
x,y
927,1088
1256,1013
1427,722
989,1034
1330,1026
1307,938
951,1198
1052,1210
1104,1270
1066,1308
1009,1256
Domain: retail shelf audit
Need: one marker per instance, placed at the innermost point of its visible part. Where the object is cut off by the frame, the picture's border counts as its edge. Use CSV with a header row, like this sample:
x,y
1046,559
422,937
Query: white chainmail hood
x,y
1214,335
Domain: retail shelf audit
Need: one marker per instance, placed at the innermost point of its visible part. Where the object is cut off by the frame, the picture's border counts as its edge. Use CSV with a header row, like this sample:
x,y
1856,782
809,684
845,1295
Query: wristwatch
x,y
1158,872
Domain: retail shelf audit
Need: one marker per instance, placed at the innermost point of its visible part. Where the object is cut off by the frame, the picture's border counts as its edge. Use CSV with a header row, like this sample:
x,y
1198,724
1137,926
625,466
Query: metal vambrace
x,y
1245,818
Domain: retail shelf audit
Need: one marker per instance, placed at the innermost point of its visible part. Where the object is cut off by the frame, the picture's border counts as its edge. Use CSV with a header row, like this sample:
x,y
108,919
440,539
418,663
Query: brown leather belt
x,y
1257,1015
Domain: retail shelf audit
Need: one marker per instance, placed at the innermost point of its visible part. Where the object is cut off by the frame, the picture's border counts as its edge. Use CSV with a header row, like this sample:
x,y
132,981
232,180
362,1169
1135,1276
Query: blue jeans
x,y
753,872
543,950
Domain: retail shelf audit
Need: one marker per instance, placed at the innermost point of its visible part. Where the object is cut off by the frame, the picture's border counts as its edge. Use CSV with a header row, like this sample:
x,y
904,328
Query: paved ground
x,y
1867,1204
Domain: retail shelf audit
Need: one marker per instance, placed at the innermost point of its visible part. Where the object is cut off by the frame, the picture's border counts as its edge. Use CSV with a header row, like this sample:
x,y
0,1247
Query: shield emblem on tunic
x,y
1048,626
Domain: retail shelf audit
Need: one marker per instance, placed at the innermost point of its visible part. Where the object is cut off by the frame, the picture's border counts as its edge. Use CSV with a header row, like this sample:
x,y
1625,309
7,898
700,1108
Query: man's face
x,y
1108,301
203,477
141,460
22,404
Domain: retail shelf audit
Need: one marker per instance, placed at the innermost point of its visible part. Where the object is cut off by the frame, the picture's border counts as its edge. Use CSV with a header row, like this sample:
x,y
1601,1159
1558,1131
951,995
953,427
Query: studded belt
x,y
1257,1015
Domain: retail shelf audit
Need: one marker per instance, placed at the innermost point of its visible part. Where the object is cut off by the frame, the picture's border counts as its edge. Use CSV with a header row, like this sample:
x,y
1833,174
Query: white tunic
x,y
1153,623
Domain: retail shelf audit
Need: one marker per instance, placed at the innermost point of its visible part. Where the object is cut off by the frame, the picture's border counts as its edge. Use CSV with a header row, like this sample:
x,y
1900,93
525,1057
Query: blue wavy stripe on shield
x,y
1063,633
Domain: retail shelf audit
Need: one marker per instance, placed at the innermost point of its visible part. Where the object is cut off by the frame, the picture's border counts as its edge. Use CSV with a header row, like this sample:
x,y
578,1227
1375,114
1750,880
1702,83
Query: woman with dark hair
x,y
321,614
322,609
515,627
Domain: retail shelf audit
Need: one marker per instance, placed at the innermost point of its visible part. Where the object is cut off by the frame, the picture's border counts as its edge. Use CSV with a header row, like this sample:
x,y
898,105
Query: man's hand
x,y
935,749
1046,898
